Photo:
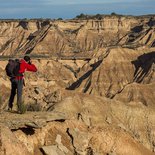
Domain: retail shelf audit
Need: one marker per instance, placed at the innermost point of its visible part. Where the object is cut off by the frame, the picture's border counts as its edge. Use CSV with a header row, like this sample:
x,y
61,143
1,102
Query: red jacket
x,y
24,66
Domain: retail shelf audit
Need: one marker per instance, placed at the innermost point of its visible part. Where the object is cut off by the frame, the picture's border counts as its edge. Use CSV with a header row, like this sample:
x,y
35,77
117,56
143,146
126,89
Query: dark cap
x,y
27,58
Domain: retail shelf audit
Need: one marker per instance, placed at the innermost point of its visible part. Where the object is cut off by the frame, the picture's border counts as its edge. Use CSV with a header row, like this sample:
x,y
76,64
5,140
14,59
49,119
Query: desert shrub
x,y
59,19
98,16
82,16
34,107
22,108
113,14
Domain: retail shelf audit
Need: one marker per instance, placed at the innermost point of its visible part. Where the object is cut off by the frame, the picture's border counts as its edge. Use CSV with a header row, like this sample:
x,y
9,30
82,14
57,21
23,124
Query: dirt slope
x,y
98,100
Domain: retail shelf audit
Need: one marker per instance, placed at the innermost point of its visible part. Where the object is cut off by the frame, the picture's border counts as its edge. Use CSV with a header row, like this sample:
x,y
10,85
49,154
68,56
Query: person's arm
x,y
31,67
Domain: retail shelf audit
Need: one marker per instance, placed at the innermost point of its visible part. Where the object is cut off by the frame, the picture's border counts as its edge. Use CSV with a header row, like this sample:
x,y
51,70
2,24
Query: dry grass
x,y
22,108
34,107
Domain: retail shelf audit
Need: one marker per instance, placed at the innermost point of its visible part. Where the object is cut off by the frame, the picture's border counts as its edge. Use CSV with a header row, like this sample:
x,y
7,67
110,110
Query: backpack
x,y
12,68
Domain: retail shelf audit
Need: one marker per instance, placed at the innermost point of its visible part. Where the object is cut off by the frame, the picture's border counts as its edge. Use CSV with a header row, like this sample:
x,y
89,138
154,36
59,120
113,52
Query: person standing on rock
x,y
17,81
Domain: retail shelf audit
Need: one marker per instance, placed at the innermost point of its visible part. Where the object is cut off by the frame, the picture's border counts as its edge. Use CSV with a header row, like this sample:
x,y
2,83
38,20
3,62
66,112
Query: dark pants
x,y
16,85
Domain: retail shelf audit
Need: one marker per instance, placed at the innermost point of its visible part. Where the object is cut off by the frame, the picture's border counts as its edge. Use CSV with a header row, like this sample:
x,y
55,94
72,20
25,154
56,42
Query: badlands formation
x,y
94,92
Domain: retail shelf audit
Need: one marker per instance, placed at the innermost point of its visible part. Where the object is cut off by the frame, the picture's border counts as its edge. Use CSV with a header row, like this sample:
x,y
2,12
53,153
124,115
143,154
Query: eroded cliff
x,y
48,37
95,99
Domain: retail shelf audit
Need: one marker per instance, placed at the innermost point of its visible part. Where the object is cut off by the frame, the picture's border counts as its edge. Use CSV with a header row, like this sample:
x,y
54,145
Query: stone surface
x,y
52,150
33,36
100,98
10,144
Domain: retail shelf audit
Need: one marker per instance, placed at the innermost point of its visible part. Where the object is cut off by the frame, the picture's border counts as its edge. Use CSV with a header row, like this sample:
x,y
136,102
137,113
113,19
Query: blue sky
x,y
71,8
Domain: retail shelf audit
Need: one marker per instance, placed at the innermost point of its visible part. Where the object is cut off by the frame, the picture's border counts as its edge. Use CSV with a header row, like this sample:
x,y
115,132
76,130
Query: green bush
x,y
59,19
113,14
82,16
98,16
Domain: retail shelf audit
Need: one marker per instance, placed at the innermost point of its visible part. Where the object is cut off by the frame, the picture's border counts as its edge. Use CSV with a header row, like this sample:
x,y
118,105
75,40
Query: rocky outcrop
x,y
116,70
44,86
79,125
95,81
53,37
110,73
141,35
10,144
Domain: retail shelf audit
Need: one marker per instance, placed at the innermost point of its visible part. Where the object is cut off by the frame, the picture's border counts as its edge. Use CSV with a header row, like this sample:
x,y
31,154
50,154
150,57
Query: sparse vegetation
x,y
33,107
82,16
59,19
22,108
117,15
98,16
113,14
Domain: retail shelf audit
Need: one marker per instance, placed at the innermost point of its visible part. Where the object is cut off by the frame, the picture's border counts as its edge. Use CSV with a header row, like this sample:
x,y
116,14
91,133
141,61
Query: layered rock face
x,y
122,71
141,35
95,99
48,37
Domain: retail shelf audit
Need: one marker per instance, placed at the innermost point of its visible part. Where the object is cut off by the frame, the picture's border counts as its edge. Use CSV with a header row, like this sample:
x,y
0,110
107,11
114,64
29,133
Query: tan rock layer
x,y
28,36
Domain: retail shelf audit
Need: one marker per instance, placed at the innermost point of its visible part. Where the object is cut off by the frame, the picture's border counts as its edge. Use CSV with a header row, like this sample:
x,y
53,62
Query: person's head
x,y
27,58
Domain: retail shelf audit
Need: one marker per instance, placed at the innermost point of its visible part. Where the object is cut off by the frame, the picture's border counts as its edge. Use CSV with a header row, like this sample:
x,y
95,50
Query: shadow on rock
x,y
86,75
143,65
